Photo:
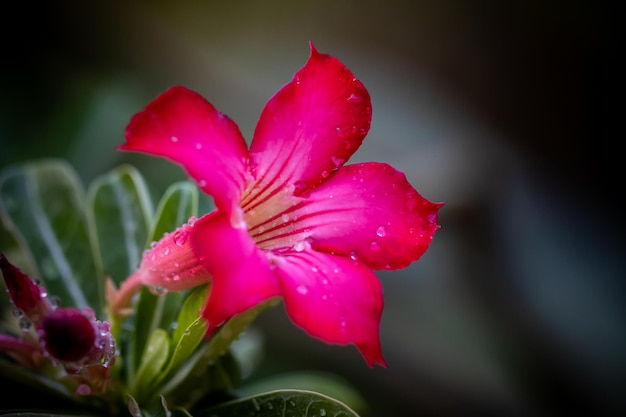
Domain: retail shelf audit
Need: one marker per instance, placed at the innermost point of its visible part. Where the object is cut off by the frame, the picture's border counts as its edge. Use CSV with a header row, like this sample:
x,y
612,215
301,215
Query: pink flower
x,y
291,219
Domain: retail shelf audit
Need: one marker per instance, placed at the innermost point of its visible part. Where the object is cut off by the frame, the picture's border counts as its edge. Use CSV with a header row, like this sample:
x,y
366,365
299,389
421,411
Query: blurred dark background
x,y
505,111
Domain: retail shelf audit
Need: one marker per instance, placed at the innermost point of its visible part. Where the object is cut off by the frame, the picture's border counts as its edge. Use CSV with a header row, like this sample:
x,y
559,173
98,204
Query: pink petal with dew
x,y
185,128
311,126
333,298
241,273
369,211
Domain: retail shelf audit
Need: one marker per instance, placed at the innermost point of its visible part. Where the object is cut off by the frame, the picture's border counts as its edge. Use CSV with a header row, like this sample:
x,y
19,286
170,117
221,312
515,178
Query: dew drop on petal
x,y
285,218
202,183
157,290
299,246
355,98
375,246
180,237
166,251
198,146
353,255
174,139
381,232
192,220
337,160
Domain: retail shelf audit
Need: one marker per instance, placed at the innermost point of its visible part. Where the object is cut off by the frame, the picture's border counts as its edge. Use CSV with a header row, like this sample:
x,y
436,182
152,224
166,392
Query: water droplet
x,y
381,232
297,79
375,246
25,324
355,98
153,244
314,269
192,220
55,301
324,297
105,361
302,289
336,270
198,146
337,160
353,256
166,251
18,313
83,389
299,246
157,290
202,183
325,174
180,237
322,412
174,139
285,218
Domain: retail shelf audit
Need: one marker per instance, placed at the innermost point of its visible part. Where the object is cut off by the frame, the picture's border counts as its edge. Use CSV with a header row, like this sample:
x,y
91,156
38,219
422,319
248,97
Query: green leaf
x,y
287,403
190,312
119,210
325,383
153,359
189,332
178,204
42,206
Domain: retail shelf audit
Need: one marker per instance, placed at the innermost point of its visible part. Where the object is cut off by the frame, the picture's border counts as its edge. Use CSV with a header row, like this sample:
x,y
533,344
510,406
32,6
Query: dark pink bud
x,y
24,292
67,334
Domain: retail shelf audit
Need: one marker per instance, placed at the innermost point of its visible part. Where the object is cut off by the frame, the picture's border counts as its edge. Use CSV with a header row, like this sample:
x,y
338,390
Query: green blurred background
x,y
500,109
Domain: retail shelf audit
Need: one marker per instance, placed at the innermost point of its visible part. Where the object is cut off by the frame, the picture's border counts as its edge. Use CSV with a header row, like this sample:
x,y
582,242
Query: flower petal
x,y
242,277
185,128
333,298
369,211
311,126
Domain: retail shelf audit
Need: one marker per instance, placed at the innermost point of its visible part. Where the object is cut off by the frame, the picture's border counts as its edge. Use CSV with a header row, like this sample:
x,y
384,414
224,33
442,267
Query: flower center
x,y
271,215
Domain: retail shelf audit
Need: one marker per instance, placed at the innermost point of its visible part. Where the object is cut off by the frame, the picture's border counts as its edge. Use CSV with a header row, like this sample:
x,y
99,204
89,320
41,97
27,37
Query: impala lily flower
x,y
291,220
